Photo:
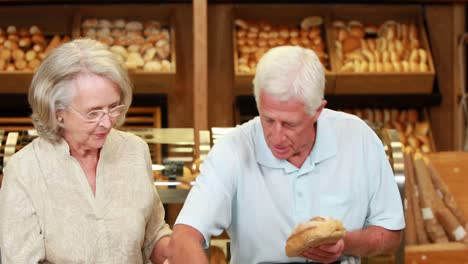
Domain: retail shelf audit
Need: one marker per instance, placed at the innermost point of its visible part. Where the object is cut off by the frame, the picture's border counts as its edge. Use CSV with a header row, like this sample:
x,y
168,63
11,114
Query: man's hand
x,y
186,246
325,253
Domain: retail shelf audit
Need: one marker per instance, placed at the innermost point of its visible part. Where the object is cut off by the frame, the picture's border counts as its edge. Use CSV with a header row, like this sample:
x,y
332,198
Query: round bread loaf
x,y
315,232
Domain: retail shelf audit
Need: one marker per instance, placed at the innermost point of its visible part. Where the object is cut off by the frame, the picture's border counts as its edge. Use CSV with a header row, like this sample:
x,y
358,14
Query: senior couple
x,y
83,193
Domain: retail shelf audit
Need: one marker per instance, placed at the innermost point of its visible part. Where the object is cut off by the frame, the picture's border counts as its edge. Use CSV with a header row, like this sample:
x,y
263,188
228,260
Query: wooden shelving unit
x,y
218,89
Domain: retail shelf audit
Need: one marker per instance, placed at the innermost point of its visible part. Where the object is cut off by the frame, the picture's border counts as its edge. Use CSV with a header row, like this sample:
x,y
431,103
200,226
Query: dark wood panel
x,y
180,99
442,30
220,66
246,104
200,70
222,1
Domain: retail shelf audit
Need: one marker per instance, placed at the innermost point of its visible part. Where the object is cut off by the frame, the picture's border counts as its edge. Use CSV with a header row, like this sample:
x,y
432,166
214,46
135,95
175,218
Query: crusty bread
x,y
315,232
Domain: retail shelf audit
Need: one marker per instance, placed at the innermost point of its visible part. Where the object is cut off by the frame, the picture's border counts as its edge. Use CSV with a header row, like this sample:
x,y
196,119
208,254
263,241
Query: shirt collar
x,y
326,140
63,148
325,147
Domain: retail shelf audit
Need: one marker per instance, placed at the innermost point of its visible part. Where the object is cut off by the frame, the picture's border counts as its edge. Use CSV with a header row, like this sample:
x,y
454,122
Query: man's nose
x,y
278,132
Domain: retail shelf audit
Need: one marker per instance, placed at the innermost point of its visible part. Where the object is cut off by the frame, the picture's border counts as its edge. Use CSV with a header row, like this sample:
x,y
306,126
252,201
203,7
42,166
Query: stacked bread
x,y
413,128
138,45
392,47
23,49
11,142
432,214
255,38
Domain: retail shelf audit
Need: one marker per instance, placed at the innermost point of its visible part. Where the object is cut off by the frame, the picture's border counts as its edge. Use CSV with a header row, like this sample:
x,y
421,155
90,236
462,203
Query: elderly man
x,y
295,161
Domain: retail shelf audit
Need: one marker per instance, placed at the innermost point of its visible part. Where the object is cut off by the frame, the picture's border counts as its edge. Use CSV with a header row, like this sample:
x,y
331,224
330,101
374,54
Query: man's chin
x,y
281,156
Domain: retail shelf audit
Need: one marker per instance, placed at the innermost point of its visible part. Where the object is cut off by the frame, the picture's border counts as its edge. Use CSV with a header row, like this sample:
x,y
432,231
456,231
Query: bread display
x,y
391,47
23,49
313,233
412,127
11,142
437,217
255,38
138,45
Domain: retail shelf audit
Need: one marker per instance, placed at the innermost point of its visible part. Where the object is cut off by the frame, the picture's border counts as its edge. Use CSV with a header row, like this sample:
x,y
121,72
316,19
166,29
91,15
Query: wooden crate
x,y
66,20
382,83
51,19
452,167
276,14
143,81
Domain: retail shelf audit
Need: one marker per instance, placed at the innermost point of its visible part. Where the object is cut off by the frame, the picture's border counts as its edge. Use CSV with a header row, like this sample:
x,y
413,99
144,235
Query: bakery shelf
x,y
385,82
143,81
451,166
338,82
45,17
247,102
277,15
15,82
66,20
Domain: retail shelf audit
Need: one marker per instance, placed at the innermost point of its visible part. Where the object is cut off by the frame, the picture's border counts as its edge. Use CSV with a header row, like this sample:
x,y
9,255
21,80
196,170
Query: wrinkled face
x,y
91,92
289,131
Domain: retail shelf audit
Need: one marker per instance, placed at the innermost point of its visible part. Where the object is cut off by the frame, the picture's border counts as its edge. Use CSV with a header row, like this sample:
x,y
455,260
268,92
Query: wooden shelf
x,y
246,104
15,82
143,82
437,253
243,84
66,20
151,83
384,100
382,82
452,167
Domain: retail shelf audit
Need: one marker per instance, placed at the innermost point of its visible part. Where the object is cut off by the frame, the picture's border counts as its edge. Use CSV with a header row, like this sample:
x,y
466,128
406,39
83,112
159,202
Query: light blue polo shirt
x,y
259,199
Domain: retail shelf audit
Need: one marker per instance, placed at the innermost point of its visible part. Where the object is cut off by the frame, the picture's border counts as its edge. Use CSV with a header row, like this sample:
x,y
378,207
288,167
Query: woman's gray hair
x,y
52,85
291,72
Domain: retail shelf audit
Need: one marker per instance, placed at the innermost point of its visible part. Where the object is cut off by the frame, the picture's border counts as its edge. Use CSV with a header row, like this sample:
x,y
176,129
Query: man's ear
x,y
319,109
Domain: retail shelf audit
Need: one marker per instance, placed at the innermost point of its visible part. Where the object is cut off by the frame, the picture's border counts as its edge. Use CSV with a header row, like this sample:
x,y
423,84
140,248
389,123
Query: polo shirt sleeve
x,y
385,206
209,203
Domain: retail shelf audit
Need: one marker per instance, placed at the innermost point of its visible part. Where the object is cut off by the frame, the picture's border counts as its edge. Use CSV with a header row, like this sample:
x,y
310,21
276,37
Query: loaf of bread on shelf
x,y
447,196
311,22
412,185
257,37
150,39
23,48
428,201
388,49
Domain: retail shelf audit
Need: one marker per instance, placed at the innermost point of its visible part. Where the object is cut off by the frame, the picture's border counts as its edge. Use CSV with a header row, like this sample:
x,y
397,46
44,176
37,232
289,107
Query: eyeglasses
x,y
97,115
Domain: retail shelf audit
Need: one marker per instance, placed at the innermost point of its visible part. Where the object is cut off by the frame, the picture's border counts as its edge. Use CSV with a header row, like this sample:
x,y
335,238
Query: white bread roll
x,y
313,233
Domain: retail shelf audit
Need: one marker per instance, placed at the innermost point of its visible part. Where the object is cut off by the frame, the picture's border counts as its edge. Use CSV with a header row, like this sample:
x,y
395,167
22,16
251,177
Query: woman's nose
x,y
105,121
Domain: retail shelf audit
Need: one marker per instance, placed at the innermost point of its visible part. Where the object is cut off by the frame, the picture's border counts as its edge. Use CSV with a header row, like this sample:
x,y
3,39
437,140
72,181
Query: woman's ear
x,y
59,116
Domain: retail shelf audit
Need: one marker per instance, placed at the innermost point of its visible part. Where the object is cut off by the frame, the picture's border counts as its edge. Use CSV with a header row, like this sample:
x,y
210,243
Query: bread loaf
x,y
315,232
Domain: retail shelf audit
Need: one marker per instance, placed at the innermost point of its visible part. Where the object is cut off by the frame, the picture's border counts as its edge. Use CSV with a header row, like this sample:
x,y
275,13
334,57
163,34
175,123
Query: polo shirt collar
x,y
324,148
326,141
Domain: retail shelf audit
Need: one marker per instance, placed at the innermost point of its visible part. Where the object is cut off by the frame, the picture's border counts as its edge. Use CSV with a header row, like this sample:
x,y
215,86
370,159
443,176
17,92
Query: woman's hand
x,y
161,251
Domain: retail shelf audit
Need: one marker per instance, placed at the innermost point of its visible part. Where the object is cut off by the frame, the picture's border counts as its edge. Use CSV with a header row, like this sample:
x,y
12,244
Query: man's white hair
x,y
291,72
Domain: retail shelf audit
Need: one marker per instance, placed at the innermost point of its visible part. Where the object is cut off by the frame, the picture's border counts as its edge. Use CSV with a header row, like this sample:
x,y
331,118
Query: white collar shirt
x,y
259,199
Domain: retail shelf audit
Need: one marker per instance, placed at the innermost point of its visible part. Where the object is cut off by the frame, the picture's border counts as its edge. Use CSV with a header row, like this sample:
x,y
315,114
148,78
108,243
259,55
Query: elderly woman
x,y
82,192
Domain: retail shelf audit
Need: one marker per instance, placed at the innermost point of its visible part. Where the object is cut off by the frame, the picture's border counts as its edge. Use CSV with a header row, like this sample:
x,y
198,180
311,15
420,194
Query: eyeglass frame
x,y
104,112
